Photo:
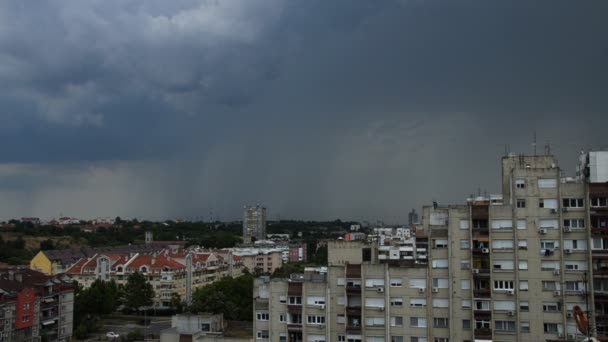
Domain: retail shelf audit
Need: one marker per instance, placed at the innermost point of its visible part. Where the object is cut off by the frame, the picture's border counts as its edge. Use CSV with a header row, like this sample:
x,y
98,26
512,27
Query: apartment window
x,y
396,321
440,263
549,244
502,244
465,264
464,224
551,328
504,305
600,284
466,303
521,203
522,244
575,286
502,224
524,306
547,203
262,334
397,302
523,285
417,302
418,322
551,307
262,316
440,243
441,283
341,338
341,300
374,282
315,300
441,339
417,339
524,326
440,302
576,265
482,324
283,299
523,265
520,184
600,243
397,339
503,285
599,202
549,265
374,321
316,319
374,302
417,283
341,319
282,318
464,244
295,300
503,265
550,286
440,322
340,281
482,305
547,183
548,224
26,318
574,223
466,324
26,306
283,337
505,325
521,224
396,282
465,284
573,203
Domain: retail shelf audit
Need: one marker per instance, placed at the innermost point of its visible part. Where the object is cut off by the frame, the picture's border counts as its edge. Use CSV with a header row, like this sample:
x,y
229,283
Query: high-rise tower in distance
x,y
254,223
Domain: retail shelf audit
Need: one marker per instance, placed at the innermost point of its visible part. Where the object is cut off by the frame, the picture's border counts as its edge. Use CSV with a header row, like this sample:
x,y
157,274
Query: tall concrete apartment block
x,y
254,223
507,267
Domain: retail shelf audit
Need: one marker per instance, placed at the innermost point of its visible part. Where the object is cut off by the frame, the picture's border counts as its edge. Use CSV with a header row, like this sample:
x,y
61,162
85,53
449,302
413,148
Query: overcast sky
x,y
317,109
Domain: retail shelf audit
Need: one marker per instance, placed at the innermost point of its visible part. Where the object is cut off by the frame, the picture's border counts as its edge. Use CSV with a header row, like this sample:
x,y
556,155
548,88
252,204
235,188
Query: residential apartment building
x,y
168,272
254,223
34,306
507,267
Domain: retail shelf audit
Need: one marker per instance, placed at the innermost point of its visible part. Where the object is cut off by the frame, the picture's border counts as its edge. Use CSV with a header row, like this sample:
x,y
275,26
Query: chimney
x,y
153,258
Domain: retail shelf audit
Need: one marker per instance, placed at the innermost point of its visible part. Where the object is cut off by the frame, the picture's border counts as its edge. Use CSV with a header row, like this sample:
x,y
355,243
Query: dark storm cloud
x,y
316,108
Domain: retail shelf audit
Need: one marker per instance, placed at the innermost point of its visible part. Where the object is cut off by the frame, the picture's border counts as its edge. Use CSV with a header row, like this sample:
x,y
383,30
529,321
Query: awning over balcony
x,y
49,322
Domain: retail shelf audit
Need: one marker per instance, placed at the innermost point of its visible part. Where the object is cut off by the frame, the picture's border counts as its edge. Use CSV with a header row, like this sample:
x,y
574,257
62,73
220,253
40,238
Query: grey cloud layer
x,y
317,108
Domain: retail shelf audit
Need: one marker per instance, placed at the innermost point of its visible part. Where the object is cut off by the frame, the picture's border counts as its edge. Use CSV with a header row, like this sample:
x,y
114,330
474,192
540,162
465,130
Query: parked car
x,y
112,335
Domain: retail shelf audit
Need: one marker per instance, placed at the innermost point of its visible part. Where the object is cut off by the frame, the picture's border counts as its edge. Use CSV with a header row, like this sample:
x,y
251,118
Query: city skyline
x,y
319,110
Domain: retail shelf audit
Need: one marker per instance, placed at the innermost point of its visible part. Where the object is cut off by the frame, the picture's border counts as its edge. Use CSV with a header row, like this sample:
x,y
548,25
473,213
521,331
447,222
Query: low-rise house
x,y
204,327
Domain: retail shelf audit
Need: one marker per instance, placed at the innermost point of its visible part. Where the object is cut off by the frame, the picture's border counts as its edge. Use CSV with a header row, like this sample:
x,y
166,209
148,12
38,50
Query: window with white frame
x,y
341,319
464,224
580,245
520,183
440,243
466,303
262,315
502,224
418,339
417,302
573,202
417,283
315,319
261,334
293,300
440,263
283,299
417,322
550,285
505,325
465,264
482,324
396,282
440,322
374,321
315,300
551,328
340,281
341,300
521,224
503,285
396,338
524,326
396,321
503,265
597,202
465,244
574,223
524,306
374,302
547,203
441,283
374,339
576,286
374,282
465,284
282,318
504,305
600,244
502,244
283,337
440,302
523,285
522,244
576,265
523,265
548,223
549,244
547,183
396,301
549,265
315,338
441,339
520,203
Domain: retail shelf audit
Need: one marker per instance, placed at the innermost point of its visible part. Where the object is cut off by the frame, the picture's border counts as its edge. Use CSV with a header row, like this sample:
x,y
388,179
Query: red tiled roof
x,y
77,267
160,261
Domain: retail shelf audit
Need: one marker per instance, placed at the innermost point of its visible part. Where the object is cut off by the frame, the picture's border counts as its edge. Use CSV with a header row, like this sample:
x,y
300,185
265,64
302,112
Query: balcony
x,y
480,232
353,288
483,333
294,326
352,328
353,310
482,293
482,314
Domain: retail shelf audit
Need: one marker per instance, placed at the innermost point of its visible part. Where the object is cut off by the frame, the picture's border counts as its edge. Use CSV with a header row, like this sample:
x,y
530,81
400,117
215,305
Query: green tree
x,y
176,303
138,292
230,296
